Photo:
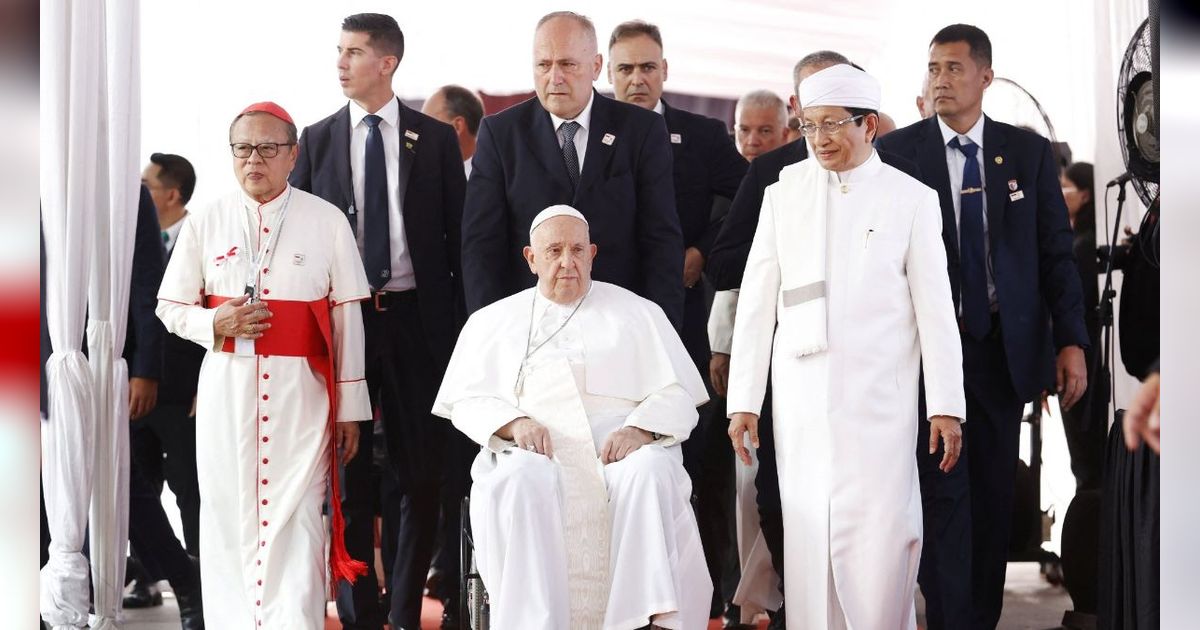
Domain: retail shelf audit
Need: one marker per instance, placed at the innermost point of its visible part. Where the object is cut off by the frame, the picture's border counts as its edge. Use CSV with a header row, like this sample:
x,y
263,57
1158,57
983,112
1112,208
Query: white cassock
x,y
263,430
570,542
845,360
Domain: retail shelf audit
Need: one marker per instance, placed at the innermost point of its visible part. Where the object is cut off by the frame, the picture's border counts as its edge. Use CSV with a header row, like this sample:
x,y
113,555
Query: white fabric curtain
x,y
90,126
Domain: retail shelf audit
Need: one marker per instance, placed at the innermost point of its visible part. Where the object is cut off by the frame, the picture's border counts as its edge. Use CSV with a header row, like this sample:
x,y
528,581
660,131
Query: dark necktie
x,y
566,135
973,268
377,255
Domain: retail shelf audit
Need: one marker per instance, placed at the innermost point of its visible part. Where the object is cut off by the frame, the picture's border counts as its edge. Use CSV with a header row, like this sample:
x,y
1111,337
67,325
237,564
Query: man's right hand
x,y
718,373
739,424
236,318
529,435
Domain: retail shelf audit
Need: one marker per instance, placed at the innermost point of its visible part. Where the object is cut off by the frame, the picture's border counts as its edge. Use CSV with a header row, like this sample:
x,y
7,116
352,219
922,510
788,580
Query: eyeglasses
x,y
265,150
830,127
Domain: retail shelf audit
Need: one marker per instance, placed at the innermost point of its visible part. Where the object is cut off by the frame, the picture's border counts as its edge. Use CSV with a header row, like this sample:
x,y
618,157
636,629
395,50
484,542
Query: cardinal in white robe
x,y
845,297
268,279
580,394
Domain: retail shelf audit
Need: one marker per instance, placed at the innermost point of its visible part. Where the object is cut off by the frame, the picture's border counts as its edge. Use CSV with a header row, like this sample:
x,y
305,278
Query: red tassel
x,y
341,565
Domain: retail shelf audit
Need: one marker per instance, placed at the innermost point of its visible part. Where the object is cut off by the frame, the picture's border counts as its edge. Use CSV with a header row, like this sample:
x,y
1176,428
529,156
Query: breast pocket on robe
x,y
881,256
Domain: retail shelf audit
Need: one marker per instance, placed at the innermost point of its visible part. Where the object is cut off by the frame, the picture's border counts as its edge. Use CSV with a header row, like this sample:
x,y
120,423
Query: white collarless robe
x,y
845,417
262,422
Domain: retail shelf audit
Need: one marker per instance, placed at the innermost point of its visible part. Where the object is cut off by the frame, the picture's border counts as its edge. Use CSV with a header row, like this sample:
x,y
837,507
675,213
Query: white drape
x,y
90,130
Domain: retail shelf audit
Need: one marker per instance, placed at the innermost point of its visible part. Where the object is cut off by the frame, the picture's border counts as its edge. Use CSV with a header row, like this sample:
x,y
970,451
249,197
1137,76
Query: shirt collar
x,y
867,169
584,118
974,134
658,107
274,204
543,305
390,113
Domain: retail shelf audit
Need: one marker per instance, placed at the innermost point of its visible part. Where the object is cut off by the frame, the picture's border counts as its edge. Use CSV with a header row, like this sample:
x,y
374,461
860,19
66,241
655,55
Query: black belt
x,y
381,301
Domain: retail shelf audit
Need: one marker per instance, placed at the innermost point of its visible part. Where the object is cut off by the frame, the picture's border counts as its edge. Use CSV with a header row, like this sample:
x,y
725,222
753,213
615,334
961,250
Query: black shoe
x,y
191,609
143,595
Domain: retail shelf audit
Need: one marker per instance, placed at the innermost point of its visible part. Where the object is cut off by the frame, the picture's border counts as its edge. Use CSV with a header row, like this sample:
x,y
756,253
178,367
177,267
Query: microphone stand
x,y
1102,360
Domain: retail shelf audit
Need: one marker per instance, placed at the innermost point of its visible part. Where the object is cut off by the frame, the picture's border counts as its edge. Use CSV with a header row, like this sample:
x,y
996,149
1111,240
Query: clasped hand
x,y
236,318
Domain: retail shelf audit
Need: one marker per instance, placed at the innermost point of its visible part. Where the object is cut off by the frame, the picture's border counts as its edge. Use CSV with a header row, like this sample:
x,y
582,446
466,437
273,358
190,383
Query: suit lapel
x,y
409,128
598,150
544,145
671,117
997,173
931,158
339,145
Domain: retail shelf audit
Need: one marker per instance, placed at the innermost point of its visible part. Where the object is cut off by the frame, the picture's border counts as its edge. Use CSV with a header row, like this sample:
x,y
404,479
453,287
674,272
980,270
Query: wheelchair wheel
x,y
473,598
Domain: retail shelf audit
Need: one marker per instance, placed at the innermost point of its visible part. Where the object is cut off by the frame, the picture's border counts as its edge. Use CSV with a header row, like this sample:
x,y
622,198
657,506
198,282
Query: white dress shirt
x,y
581,135
402,278
955,162
467,166
171,233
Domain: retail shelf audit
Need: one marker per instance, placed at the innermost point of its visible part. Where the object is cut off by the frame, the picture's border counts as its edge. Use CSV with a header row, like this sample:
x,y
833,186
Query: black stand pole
x,y
1102,360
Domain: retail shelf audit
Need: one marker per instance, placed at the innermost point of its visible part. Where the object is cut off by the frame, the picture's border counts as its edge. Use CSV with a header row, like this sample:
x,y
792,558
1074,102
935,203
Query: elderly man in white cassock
x,y
579,393
267,279
845,296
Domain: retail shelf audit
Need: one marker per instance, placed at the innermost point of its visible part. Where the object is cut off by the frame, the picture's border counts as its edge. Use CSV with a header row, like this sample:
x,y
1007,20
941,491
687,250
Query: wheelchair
x,y
473,607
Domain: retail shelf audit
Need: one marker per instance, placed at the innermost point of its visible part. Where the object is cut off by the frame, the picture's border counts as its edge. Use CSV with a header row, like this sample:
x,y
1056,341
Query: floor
x,y
1029,604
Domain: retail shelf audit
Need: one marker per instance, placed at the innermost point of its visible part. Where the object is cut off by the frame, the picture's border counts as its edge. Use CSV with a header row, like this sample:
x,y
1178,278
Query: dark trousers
x,y
162,446
403,375
708,459
151,538
766,483
1084,426
968,511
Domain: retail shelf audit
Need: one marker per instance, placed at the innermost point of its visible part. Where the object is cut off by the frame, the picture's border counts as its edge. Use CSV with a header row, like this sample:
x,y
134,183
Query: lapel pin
x,y
408,145
608,139
999,160
409,133
676,139
1012,184
1017,196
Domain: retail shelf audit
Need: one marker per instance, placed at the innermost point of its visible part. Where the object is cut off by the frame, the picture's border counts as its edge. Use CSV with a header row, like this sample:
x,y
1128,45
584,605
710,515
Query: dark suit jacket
x,y
706,165
727,262
144,332
625,191
432,186
1037,284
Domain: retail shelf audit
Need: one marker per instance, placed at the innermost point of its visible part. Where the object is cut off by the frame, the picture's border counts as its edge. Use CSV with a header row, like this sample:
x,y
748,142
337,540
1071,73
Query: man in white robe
x,y
845,297
580,394
266,279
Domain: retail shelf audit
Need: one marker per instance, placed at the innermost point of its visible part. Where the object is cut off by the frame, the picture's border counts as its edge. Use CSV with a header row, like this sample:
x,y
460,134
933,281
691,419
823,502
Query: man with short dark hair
x,y
706,165
397,176
610,160
267,280
460,108
1019,303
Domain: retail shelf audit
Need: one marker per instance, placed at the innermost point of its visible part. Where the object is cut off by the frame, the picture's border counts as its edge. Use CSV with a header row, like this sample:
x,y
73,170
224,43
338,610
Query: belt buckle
x,y
379,303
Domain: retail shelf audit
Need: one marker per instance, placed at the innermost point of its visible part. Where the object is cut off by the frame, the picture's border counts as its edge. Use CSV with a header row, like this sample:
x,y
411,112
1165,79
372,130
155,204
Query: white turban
x,y
840,86
560,210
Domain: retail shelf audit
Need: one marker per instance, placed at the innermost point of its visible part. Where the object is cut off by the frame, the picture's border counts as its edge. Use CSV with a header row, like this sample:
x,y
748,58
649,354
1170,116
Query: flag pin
x,y
409,133
608,139
1012,184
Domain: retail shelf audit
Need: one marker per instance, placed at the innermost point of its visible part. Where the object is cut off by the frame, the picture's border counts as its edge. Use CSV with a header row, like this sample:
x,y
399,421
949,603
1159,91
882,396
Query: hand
x,y
1142,417
950,430
143,396
529,435
718,373
347,440
1071,376
693,265
739,424
622,442
236,318
192,411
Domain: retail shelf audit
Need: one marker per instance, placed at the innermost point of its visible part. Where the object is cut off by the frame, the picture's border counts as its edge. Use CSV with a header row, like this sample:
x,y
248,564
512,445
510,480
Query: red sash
x,y
302,329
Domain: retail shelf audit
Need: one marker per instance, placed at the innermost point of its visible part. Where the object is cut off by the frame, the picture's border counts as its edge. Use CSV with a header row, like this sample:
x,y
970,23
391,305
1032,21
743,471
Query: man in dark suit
x,y
725,268
706,165
398,176
1019,303
610,160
